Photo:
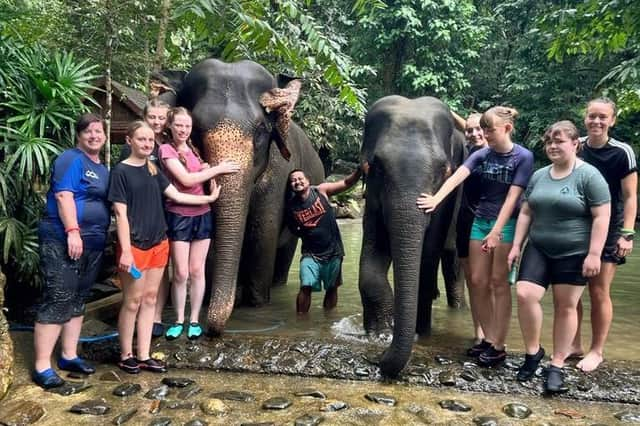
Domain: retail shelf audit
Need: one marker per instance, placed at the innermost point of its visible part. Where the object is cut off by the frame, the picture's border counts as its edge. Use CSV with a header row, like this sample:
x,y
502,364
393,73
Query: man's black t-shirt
x,y
314,221
142,193
615,161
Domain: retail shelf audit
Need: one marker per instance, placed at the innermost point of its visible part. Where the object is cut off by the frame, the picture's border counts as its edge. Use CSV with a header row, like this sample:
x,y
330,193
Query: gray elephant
x,y
238,111
410,146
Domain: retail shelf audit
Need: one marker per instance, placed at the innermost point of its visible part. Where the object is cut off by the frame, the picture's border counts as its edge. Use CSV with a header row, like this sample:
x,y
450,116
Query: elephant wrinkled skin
x,y
409,147
238,110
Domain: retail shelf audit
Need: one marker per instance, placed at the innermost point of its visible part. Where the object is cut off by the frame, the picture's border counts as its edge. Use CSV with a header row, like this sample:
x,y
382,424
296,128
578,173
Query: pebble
x,y
453,405
70,388
309,420
276,403
425,415
234,396
511,365
160,421
97,407
155,406
381,398
517,410
447,378
259,424
361,372
127,389
177,382
122,418
21,412
584,385
485,421
442,360
160,356
334,406
470,375
189,391
628,416
159,392
313,393
214,407
181,405
196,422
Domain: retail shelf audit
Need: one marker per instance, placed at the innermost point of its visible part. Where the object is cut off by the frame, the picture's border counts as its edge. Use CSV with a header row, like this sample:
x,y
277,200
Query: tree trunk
x,y
107,83
6,346
162,35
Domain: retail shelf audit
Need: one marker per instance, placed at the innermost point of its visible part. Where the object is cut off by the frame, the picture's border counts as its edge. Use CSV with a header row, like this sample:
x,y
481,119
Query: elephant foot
x,y
390,366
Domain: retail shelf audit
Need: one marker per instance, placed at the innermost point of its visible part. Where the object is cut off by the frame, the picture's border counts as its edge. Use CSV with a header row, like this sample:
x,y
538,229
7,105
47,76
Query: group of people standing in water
x,y
569,225
577,216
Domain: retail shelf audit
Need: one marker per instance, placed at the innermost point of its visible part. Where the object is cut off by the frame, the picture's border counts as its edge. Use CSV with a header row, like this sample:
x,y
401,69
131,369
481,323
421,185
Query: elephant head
x,y
410,146
238,110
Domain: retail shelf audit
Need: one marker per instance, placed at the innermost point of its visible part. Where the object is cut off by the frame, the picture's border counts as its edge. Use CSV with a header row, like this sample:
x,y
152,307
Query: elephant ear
x,y
165,85
281,101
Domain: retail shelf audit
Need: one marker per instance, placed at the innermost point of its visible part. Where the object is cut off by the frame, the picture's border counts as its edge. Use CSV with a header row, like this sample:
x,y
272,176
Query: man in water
x,y
311,217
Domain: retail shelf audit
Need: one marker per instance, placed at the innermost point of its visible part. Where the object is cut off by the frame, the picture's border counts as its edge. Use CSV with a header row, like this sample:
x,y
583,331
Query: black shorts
x,y
463,231
67,283
610,250
189,228
541,269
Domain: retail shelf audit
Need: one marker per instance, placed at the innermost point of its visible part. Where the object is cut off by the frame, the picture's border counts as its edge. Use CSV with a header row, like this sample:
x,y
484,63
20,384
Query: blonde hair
x,y
173,112
565,127
604,100
133,127
498,115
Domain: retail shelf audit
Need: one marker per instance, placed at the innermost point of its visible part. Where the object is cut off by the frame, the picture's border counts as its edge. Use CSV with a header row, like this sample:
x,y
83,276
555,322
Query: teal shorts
x,y
313,272
481,227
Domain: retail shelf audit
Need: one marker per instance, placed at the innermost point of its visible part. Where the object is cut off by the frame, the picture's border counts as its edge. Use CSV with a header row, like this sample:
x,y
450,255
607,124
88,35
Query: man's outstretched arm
x,y
331,188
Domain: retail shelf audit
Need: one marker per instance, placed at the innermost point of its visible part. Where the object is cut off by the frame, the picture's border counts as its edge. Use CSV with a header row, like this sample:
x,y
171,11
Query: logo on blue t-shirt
x,y
91,174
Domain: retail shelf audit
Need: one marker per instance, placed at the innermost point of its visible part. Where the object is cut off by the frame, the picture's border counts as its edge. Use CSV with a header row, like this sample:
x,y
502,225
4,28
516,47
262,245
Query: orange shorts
x,y
155,257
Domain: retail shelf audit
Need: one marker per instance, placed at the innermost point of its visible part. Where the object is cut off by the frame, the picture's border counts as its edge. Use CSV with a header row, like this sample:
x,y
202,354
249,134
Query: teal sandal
x,y
195,331
174,331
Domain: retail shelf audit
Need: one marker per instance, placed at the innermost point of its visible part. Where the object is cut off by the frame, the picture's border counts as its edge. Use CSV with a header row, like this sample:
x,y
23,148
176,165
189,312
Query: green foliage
x,y
41,96
420,47
283,32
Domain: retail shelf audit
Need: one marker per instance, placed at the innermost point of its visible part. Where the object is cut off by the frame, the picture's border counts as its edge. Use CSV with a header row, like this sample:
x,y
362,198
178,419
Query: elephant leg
x,y
375,290
453,278
284,257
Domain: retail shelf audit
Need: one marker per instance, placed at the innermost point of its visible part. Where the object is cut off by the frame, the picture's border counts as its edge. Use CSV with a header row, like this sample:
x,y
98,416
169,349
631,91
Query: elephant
x,y
410,146
241,112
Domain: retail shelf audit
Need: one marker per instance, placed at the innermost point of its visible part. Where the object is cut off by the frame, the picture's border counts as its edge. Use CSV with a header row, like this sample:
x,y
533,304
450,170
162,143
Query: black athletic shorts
x,y
610,251
189,228
67,283
541,269
463,231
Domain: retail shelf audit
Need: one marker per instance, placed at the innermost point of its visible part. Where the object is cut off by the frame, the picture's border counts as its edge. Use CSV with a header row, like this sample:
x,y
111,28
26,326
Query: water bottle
x,y
513,274
135,272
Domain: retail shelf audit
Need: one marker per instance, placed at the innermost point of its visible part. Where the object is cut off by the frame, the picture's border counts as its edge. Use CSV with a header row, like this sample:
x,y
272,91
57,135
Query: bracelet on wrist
x,y
71,229
627,231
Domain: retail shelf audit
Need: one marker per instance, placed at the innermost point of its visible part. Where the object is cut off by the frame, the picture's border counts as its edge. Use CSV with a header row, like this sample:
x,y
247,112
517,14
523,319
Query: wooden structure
x,y
127,106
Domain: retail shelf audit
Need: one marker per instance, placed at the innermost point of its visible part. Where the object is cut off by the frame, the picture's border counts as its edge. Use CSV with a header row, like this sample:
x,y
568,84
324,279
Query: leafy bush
x,y
40,97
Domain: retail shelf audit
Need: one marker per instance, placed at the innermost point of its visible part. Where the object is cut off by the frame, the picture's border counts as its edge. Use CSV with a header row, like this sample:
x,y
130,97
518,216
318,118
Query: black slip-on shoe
x,y
530,365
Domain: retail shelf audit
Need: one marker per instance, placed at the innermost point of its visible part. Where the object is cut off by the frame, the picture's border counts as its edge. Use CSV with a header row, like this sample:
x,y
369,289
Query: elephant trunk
x,y
227,142
406,235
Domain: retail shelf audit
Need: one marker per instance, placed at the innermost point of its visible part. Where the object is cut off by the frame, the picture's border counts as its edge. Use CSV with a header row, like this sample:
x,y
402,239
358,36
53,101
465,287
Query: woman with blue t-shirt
x,y
73,234
504,169
565,214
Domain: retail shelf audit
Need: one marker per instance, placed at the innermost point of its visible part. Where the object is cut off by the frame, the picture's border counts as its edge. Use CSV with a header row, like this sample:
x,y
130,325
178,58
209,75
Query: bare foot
x,y
590,362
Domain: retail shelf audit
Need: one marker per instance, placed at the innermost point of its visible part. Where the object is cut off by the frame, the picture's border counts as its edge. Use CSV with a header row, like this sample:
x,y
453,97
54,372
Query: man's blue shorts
x,y
481,228
313,272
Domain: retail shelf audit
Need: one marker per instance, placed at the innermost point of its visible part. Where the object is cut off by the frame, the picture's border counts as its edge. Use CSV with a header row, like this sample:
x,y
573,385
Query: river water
x,y
450,327
416,405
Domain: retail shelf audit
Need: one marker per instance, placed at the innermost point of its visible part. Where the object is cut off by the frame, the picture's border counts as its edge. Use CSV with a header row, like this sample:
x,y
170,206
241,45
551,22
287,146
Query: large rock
x,y
6,345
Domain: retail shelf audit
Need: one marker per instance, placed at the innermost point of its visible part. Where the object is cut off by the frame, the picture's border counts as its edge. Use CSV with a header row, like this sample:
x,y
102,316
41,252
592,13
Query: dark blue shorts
x,y
537,267
189,228
67,283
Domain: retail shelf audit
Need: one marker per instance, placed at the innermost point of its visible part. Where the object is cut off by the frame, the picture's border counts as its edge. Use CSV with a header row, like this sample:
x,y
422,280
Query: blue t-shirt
x,y
498,171
75,172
